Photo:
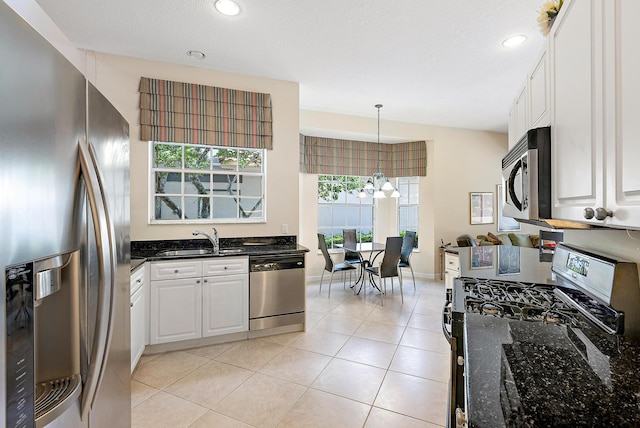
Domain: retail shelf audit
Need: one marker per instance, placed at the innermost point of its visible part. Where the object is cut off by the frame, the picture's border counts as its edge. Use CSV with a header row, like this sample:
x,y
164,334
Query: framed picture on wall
x,y
481,207
505,224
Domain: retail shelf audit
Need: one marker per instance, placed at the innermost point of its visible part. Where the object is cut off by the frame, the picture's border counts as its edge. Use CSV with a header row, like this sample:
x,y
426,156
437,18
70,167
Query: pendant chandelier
x,y
378,186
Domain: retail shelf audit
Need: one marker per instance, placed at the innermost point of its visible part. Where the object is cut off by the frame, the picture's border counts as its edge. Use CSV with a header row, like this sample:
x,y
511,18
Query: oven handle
x,y
446,333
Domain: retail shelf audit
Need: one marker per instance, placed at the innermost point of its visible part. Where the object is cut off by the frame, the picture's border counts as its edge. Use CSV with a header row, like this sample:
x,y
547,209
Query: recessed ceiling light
x,y
227,7
196,54
514,41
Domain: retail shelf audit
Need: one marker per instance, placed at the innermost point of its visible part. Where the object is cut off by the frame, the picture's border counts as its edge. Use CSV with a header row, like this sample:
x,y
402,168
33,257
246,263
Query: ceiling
x,y
427,61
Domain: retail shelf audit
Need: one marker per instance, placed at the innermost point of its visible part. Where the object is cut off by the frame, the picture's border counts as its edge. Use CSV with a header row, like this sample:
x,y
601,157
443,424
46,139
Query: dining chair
x,y
350,243
329,264
388,268
408,242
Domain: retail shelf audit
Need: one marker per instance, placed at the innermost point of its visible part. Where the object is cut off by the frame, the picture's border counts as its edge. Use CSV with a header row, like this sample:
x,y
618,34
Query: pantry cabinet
x,y
191,299
594,113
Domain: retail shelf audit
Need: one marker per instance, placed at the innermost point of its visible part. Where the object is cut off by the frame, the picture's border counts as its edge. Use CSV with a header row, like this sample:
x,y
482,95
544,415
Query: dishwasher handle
x,y
275,262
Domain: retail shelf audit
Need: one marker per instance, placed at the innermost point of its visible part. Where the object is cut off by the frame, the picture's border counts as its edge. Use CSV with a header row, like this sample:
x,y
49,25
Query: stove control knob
x,y
461,361
588,213
602,213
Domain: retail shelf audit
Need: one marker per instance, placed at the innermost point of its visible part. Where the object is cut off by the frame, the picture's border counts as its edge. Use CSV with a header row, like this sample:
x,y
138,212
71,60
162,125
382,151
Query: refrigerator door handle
x,y
106,263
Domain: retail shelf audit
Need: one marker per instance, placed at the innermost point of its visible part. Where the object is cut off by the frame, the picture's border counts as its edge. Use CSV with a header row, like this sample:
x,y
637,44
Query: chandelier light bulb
x,y
387,186
362,194
378,194
395,194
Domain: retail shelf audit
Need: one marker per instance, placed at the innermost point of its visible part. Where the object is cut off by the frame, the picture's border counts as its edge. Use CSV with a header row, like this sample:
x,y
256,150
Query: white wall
x,y
118,77
458,162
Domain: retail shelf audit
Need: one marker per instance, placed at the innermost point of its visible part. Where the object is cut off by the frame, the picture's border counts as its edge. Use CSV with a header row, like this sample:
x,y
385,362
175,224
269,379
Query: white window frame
x,y
182,170
344,203
405,184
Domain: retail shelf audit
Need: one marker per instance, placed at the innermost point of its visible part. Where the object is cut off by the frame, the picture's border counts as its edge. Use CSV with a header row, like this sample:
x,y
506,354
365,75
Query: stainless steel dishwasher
x,y
276,291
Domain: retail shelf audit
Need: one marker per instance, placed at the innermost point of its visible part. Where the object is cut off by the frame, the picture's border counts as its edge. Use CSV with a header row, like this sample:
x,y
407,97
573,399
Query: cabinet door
x,y
521,113
539,91
176,310
138,323
623,112
577,109
225,302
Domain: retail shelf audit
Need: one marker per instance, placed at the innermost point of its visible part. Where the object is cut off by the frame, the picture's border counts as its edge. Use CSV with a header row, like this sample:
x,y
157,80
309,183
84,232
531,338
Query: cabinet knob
x,y
175,271
204,280
197,281
132,305
225,268
138,280
588,213
602,213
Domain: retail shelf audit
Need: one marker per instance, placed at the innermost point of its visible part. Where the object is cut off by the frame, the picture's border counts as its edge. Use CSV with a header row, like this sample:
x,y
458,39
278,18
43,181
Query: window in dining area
x,y
339,208
408,206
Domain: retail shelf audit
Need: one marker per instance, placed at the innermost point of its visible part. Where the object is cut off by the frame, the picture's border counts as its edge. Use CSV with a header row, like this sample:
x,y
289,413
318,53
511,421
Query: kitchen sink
x,y
186,252
199,252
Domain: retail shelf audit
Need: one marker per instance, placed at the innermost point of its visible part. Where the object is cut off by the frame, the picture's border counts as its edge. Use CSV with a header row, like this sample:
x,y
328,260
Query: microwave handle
x,y
511,182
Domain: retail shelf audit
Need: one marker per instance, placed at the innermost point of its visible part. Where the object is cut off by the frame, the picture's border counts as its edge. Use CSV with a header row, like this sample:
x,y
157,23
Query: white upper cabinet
x,y
622,113
531,106
594,112
539,91
519,118
576,112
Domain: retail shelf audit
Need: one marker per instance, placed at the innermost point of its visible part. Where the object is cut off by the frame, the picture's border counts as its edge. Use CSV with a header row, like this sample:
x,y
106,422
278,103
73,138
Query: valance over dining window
x,y
348,157
198,114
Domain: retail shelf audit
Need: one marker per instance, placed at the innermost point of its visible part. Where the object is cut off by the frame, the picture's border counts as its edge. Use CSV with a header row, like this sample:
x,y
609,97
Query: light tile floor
x,y
358,365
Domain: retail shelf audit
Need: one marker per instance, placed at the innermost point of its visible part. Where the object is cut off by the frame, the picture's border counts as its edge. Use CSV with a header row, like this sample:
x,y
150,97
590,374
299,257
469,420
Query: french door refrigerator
x,y
64,241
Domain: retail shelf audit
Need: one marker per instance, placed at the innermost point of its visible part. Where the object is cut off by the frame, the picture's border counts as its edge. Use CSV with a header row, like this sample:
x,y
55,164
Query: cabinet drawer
x,y
451,262
175,270
225,266
137,279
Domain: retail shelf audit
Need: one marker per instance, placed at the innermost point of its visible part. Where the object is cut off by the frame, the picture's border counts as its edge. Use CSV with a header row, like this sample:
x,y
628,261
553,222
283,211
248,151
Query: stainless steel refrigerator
x,y
64,241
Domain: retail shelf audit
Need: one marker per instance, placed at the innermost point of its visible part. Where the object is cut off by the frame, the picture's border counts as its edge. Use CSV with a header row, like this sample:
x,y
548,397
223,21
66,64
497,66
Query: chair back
x,y
465,241
322,244
392,249
350,243
408,243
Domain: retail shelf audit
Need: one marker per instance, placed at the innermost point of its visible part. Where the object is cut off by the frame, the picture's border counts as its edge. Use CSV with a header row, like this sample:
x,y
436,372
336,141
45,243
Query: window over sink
x,y
206,184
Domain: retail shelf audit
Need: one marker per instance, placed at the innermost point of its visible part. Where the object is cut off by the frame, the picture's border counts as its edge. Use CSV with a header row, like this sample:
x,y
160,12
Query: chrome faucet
x,y
214,239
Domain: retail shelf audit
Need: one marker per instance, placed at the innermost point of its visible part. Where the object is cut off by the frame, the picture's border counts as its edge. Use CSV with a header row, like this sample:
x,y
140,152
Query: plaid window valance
x,y
348,157
198,114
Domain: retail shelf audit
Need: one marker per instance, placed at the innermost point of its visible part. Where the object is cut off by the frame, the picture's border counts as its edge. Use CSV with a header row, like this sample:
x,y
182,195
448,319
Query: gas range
x,y
528,354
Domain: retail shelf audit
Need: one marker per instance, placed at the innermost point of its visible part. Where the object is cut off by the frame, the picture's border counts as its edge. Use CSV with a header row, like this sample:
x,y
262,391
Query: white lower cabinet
x,y
191,306
225,304
451,269
138,315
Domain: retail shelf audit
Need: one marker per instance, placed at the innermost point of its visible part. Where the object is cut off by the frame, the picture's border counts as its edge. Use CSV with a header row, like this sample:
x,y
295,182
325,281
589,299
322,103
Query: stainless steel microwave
x,y
526,178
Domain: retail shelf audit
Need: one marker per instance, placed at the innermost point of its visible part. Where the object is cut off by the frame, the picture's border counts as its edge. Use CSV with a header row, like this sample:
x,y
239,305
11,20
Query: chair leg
x,y
330,281
413,277
401,295
321,276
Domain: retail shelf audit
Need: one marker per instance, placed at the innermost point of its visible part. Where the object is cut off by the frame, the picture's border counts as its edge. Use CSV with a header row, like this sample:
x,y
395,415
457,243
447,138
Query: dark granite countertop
x,y
136,263
251,246
533,374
